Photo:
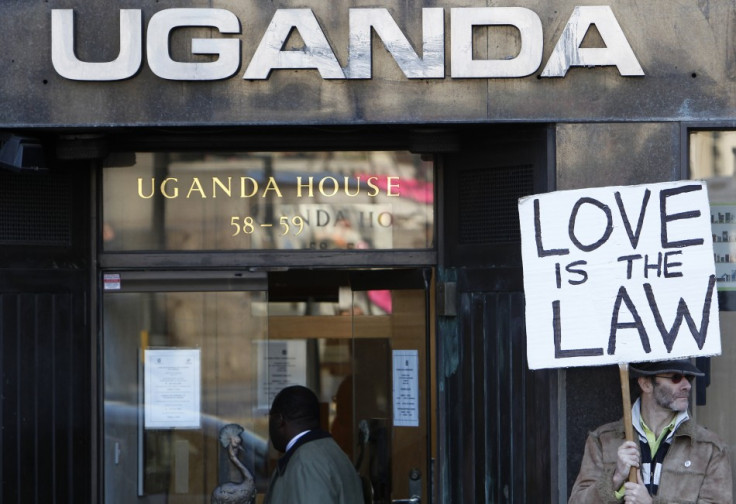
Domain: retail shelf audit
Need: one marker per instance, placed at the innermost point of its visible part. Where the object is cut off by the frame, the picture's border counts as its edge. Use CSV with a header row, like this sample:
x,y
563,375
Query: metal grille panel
x,y
497,448
488,203
35,209
45,412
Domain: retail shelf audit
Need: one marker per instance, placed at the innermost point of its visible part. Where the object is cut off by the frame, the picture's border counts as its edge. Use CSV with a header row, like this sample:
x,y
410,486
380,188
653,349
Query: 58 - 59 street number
x,y
248,225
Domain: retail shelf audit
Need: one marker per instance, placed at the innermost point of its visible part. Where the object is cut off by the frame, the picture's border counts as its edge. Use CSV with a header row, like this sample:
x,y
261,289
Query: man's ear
x,y
645,383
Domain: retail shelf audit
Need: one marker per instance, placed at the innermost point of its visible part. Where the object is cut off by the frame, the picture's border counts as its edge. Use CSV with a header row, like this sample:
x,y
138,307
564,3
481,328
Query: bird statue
x,y
230,492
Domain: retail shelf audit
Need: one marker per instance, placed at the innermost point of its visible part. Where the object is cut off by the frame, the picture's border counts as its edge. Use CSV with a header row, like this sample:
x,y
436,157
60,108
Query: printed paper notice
x,y
406,388
172,389
280,363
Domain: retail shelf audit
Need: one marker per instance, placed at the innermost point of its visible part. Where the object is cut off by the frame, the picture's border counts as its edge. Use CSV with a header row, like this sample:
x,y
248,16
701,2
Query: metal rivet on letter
x,y
687,463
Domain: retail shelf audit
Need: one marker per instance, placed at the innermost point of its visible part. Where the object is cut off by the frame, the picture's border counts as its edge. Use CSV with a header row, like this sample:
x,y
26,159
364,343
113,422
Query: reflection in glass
x,y
712,158
352,341
339,345
258,201
153,463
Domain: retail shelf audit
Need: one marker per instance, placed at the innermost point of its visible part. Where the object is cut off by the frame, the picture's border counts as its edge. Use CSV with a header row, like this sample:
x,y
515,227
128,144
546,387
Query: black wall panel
x,y
498,439
496,419
46,361
45,407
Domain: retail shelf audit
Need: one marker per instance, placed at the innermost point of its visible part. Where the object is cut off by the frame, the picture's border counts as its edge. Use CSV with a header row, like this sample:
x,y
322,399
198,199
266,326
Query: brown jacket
x,y
696,468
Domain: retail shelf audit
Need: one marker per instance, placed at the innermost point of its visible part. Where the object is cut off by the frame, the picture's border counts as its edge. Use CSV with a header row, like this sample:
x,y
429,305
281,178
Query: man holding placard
x,y
619,275
676,459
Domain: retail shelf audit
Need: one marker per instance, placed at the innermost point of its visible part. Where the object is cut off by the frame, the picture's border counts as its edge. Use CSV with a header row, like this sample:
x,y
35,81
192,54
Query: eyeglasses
x,y
677,377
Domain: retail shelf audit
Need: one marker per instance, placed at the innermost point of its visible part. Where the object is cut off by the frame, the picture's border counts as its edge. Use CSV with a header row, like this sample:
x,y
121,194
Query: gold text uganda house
x,y
204,201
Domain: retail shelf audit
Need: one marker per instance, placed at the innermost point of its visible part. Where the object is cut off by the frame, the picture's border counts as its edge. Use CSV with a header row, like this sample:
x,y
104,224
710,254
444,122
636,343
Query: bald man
x,y
313,468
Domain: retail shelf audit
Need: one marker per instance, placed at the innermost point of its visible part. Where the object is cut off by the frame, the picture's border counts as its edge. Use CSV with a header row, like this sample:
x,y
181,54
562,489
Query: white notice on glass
x,y
406,388
280,363
172,389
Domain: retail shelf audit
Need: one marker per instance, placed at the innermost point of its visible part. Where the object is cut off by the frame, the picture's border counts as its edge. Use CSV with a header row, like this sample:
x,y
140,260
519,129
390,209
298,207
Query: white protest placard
x,y
618,275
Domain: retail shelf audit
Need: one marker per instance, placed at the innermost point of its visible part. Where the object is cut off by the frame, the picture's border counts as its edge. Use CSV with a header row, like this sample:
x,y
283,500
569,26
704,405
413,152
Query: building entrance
x,y
187,352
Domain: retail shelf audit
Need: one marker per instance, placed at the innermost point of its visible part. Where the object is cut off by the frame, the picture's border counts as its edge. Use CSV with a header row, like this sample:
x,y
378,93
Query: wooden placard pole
x,y
623,369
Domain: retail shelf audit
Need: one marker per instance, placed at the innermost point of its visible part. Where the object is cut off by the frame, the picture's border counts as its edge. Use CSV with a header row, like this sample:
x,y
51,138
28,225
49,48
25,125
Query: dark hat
x,y
683,366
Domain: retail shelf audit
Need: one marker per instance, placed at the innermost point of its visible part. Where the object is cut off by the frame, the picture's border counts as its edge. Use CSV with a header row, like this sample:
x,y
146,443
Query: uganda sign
x,y
618,275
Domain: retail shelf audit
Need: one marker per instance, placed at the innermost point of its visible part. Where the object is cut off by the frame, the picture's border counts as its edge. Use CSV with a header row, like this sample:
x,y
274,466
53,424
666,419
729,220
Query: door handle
x,y
414,499
415,488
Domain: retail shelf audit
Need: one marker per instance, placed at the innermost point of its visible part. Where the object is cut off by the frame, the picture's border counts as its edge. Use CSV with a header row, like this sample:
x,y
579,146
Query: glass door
x,y
178,365
365,340
186,354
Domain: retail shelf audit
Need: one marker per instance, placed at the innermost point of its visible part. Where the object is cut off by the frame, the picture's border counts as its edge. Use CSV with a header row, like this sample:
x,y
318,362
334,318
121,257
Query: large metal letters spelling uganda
x,y
317,53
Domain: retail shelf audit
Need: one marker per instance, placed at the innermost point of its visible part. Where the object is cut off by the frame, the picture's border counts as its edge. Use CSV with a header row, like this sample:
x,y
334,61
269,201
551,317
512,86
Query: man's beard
x,y
669,400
